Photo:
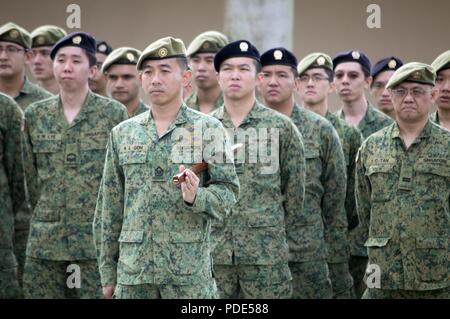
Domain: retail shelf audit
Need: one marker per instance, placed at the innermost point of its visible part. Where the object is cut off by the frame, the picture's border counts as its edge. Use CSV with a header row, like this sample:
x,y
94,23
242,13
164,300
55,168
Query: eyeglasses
x,y
315,78
414,92
10,50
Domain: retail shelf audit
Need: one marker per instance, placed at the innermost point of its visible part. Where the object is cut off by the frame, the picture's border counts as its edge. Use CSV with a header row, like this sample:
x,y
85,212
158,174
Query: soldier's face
x,y
350,82
163,81
123,83
313,92
71,68
13,58
413,109
97,83
443,85
237,78
277,84
41,64
379,92
203,71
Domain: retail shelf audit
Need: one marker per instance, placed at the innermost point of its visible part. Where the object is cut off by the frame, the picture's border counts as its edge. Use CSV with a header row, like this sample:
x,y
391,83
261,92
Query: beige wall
x,y
413,30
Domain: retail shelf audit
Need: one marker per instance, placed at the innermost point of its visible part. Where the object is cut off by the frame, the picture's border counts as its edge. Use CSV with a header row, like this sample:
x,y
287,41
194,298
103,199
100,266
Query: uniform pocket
x,y
382,181
431,259
187,251
130,250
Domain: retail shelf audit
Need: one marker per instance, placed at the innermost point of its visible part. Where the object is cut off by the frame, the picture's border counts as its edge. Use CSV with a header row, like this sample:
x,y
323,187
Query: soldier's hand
x,y
190,186
108,292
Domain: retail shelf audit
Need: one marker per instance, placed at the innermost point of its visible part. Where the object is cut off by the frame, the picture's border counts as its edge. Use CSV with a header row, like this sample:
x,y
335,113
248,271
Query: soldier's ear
x,y
332,88
368,82
434,94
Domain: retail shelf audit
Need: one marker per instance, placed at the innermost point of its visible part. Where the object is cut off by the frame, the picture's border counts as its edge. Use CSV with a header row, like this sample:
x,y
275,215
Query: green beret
x,y
442,62
413,72
207,42
11,32
164,48
315,60
122,55
46,36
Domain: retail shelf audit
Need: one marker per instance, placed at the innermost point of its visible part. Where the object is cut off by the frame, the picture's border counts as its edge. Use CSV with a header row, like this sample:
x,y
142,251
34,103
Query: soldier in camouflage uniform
x,y
207,96
324,233
251,251
41,66
154,238
97,83
442,67
381,72
12,193
64,149
403,194
15,43
123,79
351,78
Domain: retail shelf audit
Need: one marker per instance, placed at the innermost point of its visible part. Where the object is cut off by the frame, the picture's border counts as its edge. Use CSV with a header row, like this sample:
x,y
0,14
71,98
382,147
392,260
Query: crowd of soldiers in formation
x,y
358,206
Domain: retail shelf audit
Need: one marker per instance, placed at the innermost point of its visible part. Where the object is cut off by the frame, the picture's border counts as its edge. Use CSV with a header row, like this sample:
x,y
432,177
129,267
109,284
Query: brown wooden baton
x,y
198,168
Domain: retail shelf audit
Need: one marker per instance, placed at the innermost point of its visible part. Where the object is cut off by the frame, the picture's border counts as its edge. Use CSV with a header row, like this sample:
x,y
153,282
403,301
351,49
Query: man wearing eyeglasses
x,y
442,67
381,73
403,194
318,245
42,41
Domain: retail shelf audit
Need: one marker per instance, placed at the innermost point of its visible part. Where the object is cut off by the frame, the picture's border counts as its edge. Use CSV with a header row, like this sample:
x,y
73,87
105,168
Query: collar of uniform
x,y
435,117
296,112
181,117
426,132
369,116
26,87
255,112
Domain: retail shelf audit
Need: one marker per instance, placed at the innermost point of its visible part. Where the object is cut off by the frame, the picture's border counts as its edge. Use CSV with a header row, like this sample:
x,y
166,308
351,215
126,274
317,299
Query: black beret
x,y
278,56
103,47
81,40
353,56
387,64
240,48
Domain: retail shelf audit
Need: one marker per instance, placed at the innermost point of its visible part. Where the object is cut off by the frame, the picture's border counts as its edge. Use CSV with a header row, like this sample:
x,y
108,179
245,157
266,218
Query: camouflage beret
x,y
76,39
240,48
387,64
207,42
164,48
279,56
353,56
103,47
11,32
315,60
413,72
442,62
46,36
122,55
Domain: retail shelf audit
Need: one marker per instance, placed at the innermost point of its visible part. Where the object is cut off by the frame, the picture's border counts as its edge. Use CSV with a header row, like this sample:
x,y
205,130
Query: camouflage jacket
x,y
142,107
403,200
271,201
12,193
147,233
30,93
192,102
63,167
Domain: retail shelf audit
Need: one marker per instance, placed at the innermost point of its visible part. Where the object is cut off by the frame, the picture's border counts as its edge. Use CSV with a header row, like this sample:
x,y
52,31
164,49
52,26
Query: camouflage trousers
x,y
311,280
20,247
341,280
206,290
253,282
49,279
407,294
9,285
358,265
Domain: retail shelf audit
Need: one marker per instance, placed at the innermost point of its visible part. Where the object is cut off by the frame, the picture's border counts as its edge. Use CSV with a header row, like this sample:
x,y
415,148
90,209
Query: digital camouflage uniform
x,y
251,251
373,121
324,233
435,117
151,243
142,107
63,166
192,102
12,193
403,200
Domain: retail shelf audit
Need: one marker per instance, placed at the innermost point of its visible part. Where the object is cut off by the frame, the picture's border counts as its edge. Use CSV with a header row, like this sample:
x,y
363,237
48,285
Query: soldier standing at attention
x,y
65,141
381,73
403,194
442,67
123,79
97,82
207,96
41,66
12,193
251,251
351,79
326,228
154,237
